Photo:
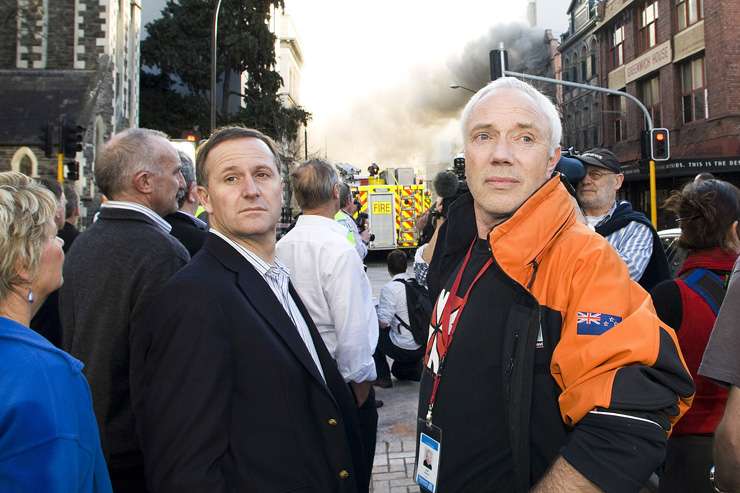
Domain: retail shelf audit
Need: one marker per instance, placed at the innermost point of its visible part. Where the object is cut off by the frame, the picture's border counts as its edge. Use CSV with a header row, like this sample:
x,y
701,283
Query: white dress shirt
x,y
329,277
277,277
392,302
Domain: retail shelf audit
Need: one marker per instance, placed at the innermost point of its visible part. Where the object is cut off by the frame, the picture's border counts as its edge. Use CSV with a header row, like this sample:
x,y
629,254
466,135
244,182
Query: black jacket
x,y
191,233
226,395
569,391
657,269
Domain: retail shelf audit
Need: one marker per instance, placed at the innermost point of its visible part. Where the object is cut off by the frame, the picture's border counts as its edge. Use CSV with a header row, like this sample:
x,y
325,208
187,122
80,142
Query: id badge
x,y
427,460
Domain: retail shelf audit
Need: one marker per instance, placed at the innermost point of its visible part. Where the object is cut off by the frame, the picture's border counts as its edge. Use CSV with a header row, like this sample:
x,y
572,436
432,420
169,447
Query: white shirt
x,y
277,277
329,277
133,206
392,303
351,226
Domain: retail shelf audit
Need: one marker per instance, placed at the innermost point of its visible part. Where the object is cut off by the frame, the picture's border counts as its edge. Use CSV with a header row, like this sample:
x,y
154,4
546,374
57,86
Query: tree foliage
x,y
176,68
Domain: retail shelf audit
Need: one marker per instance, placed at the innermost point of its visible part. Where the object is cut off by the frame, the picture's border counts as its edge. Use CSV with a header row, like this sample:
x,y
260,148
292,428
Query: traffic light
x,y
47,139
660,149
72,136
499,63
73,170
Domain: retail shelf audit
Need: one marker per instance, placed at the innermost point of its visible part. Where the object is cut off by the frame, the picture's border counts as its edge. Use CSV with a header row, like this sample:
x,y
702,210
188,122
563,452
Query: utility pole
x,y
214,52
499,61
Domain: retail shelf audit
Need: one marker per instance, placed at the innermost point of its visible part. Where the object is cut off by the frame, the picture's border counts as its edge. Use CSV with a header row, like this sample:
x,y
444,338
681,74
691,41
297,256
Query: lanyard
x,y
448,326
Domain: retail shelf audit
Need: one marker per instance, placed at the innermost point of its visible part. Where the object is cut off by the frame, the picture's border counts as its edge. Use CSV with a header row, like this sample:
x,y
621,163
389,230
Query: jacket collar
x,y
260,296
519,243
712,258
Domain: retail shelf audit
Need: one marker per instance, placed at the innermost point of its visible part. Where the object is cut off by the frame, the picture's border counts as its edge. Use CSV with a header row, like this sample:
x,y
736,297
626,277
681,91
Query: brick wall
x,y
60,47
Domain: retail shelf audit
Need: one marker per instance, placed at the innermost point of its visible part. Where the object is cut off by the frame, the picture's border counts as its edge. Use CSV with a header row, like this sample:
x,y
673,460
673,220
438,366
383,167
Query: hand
x,y
361,391
365,235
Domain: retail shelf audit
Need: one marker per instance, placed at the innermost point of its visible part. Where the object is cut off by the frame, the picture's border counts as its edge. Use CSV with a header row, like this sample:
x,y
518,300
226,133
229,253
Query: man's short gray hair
x,y
124,155
345,194
543,103
313,183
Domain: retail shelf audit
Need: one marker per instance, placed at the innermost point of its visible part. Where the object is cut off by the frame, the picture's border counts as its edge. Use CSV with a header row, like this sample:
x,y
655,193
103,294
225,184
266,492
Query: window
x,y
694,91
616,49
649,94
647,36
618,112
688,12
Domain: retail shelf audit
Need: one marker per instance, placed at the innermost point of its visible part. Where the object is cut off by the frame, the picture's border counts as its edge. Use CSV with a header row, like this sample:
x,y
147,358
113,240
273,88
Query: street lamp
x,y
458,86
214,33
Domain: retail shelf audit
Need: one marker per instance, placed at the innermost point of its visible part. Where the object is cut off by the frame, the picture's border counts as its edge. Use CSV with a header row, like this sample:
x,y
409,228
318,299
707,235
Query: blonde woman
x,y
49,438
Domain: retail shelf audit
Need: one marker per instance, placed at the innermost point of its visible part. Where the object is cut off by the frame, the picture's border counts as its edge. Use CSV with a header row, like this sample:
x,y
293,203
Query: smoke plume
x,y
416,124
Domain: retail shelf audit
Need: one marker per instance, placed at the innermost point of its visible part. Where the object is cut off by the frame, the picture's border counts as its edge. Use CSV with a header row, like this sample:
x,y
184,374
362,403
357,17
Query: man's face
x,y
243,196
507,154
60,212
598,189
167,180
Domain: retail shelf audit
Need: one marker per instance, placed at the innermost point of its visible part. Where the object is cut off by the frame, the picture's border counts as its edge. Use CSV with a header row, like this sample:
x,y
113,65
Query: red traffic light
x,y
660,144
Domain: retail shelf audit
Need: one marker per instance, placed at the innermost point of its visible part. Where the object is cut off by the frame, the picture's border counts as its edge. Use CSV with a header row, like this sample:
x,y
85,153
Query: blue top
x,y
49,439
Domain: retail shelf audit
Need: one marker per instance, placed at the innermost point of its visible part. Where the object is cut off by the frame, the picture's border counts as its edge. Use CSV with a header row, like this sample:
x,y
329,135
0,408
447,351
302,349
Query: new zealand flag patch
x,y
595,324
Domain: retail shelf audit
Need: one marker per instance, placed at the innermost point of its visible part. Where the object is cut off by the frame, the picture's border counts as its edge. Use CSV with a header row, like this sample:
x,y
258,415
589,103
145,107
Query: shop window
x,y
618,112
688,12
647,35
694,91
649,94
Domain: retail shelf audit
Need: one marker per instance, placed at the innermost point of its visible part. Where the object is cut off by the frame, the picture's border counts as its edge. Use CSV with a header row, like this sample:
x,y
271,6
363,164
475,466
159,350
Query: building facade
x,y
581,109
74,61
681,58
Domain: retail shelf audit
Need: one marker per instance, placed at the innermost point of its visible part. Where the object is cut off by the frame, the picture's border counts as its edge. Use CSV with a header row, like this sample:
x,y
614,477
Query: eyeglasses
x,y
597,175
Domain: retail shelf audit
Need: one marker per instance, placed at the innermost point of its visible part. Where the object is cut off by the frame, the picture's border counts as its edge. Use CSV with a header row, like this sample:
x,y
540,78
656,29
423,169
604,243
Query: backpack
x,y
420,310
708,285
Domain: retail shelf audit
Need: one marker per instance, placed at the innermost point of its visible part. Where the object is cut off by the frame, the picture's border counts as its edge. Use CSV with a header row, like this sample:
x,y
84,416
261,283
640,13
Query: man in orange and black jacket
x,y
551,368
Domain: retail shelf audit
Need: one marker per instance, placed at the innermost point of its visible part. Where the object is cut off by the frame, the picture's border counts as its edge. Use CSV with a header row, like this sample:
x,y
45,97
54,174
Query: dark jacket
x,y
226,395
191,232
573,390
112,270
657,269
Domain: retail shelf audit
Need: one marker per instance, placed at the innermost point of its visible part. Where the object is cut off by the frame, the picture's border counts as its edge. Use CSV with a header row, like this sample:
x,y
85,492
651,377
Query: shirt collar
x,y
276,270
314,221
402,275
197,221
133,206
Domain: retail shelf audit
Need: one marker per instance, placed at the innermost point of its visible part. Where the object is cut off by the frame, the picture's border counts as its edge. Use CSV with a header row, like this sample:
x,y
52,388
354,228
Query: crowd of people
x,y
165,353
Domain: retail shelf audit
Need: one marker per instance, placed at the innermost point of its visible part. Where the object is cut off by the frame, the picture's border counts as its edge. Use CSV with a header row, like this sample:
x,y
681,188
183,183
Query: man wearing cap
x,y
627,230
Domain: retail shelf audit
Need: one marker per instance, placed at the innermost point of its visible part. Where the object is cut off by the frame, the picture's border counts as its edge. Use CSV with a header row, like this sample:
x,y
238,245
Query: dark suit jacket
x,y
190,232
226,396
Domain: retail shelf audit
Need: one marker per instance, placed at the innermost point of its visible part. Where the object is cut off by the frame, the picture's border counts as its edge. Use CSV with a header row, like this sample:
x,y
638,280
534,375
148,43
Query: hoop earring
x,y
30,296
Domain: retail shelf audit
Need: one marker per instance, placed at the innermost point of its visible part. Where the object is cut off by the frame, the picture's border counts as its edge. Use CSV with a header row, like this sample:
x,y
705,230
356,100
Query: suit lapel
x,y
262,298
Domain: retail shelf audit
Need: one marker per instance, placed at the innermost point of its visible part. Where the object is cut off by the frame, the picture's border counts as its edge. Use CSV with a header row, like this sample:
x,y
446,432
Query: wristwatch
x,y
714,484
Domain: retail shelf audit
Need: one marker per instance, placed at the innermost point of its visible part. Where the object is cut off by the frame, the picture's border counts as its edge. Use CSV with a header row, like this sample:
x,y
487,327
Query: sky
x,y
376,73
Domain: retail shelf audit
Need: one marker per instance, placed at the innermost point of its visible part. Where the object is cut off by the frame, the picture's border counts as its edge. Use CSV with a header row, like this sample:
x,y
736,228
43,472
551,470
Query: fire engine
x,y
393,199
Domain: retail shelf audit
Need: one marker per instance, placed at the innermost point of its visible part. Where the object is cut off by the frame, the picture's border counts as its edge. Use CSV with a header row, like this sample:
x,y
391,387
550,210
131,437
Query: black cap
x,y
602,158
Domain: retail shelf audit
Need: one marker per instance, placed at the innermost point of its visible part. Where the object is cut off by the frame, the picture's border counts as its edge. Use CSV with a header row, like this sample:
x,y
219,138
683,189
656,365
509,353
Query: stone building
x,y
581,109
66,60
681,58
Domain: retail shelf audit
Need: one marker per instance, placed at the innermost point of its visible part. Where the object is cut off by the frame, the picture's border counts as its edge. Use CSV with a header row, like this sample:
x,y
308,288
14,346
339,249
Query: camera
x,y
362,223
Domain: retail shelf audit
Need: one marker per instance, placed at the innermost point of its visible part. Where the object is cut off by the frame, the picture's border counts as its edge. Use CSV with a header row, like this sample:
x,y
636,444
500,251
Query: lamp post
x,y
458,86
214,34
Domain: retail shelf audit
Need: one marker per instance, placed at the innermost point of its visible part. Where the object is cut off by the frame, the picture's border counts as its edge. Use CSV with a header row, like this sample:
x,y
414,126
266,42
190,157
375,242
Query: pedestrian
x,y
187,228
396,340
46,319
237,392
345,217
721,364
69,231
627,230
48,432
708,211
329,277
111,273
547,368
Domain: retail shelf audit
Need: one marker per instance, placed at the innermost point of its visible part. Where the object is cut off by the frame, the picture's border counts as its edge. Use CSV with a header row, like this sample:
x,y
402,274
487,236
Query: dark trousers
x,y
368,418
129,480
687,463
406,364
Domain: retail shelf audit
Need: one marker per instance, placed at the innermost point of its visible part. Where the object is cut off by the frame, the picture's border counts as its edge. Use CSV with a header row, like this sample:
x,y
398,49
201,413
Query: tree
x,y
176,64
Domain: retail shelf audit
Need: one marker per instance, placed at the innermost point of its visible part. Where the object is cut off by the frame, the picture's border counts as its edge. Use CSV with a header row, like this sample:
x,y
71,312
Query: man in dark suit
x,y
69,231
187,228
237,392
